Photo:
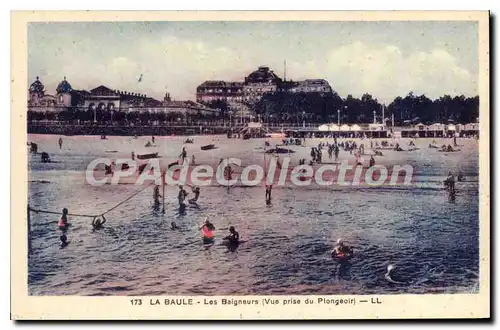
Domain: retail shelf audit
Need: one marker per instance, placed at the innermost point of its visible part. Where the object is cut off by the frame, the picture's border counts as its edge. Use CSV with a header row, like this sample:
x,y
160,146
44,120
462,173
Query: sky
x,y
385,59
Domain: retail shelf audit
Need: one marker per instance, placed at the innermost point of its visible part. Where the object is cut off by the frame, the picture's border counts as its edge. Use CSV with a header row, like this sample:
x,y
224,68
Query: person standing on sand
x,y
183,154
372,161
60,142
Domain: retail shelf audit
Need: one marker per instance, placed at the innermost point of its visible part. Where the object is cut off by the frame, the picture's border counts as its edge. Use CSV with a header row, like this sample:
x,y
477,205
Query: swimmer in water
x,y
450,183
64,241
269,189
173,225
97,223
388,275
196,191
207,229
182,195
233,237
341,251
63,220
182,209
208,225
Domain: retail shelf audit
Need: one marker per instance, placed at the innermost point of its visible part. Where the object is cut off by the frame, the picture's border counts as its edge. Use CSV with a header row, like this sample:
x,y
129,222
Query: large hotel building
x,y
255,85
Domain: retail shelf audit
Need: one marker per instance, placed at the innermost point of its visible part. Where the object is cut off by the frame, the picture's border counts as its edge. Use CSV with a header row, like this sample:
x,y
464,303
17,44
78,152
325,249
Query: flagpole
x,y
383,116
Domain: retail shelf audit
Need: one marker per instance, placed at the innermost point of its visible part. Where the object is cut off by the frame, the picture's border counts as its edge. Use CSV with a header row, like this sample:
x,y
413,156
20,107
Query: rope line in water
x,y
90,215
53,212
127,199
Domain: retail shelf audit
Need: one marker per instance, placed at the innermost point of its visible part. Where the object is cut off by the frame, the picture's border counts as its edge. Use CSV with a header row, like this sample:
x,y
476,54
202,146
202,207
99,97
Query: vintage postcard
x,y
250,165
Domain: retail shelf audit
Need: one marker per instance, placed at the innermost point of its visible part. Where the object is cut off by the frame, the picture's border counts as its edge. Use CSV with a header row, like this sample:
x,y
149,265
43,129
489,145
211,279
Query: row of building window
x,y
264,90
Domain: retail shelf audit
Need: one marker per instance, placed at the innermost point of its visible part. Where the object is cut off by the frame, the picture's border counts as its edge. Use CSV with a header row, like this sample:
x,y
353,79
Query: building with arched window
x,y
104,99
38,100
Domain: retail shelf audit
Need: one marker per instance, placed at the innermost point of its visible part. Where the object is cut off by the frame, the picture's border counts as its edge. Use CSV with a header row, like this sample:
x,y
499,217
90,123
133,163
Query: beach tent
x,y
324,127
471,127
419,126
436,127
355,128
333,127
345,128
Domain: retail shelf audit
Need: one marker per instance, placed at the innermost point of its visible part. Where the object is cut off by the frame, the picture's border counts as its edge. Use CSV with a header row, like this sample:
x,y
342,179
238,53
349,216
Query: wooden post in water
x,y
163,193
29,231
163,190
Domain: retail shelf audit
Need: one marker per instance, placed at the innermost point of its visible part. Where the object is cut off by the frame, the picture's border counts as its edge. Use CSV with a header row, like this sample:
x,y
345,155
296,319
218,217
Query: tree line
x,y
322,108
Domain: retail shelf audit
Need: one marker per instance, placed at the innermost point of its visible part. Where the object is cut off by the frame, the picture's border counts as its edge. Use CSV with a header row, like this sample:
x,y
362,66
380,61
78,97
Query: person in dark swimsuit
x,y
97,223
269,189
196,191
183,154
64,241
233,237
182,195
